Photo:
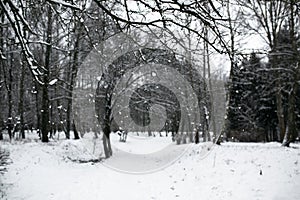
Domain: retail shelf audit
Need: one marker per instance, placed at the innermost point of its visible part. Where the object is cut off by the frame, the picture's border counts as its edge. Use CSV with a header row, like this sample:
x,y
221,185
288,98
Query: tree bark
x,y
291,130
280,113
106,141
212,108
1,72
37,108
105,121
10,102
74,69
76,135
21,99
45,97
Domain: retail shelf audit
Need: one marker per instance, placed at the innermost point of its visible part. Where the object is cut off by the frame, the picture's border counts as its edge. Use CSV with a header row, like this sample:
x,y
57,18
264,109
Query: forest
x,y
192,90
45,43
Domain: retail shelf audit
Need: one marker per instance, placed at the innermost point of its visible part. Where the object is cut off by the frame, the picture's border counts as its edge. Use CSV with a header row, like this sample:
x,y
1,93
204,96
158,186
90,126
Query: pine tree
x,y
287,56
244,104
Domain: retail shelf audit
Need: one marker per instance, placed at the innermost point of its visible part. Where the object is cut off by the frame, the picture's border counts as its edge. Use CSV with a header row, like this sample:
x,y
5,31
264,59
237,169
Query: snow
x,y
74,6
230,171
53,81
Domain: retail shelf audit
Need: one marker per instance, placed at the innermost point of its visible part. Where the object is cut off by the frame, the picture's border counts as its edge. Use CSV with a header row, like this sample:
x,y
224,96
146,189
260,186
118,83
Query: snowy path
x,y
231,171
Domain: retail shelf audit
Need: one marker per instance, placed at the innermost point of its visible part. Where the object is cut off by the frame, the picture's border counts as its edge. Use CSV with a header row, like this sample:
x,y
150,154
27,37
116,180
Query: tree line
x,y
264,96
42,44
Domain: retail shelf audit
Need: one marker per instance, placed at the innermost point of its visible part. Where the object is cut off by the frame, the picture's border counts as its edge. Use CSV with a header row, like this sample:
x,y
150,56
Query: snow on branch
x,y
18,22
66,4
17,14
2,56
170,14
133,13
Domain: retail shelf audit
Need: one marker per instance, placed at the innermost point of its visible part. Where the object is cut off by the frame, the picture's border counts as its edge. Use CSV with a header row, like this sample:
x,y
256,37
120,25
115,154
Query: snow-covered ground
x,y
231,171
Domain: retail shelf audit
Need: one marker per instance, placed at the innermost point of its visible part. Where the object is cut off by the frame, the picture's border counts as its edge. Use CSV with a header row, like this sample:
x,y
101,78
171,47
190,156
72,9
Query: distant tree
x,y
244,103
32,23
266,112
270,17
233,10
253,107
288,59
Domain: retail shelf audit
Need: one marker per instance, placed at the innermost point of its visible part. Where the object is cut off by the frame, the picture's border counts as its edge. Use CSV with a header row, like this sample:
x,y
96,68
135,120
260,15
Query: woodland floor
x,y
61,169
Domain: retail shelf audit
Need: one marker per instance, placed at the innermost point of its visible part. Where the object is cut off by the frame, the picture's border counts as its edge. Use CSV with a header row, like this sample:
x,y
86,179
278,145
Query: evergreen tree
x,y
244,104
253,107
286,54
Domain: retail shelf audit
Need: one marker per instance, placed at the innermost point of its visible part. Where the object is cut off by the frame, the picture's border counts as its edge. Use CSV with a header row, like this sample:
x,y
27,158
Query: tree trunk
x,y
74,68
51,119
21,99
291,130
232,57
8,86
37,107
197,136
105,147
45,97
59,121
106,125
76,135
106,141
212,108
1,72
1,122
280,113
10,103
